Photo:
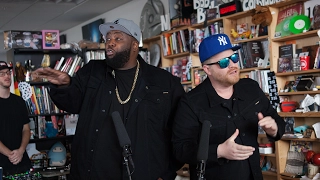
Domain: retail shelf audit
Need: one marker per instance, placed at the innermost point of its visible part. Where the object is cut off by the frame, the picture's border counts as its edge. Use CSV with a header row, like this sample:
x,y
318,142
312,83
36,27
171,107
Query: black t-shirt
x,y
124,81
14,115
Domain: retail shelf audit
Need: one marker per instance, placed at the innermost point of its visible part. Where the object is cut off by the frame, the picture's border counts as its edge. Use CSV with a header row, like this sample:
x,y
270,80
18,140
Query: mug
x,y
312,170
305,62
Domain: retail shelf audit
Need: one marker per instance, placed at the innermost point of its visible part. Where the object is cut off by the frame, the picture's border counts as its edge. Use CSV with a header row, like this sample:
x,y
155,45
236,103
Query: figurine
x,y
29,67
234,34
20,72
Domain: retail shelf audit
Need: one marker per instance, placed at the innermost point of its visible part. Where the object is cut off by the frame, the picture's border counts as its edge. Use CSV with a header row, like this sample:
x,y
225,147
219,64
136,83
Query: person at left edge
x,y
14,127
145,96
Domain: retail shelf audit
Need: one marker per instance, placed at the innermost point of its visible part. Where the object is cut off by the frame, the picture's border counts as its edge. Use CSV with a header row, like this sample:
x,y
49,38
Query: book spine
x,y
183,40
39,99
34,100
73,66
167,42
57,62
60,63
164,47
64,67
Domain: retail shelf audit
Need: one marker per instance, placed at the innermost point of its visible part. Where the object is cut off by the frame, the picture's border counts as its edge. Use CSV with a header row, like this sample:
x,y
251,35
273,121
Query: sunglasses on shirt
x,y
223,63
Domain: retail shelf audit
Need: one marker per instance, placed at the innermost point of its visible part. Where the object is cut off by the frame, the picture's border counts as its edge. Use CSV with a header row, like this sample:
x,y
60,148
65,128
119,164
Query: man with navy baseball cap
x,y
235,108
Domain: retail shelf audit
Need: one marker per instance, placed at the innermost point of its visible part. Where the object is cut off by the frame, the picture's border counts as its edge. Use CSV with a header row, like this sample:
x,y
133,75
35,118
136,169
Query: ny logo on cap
x,y
222,40
116,22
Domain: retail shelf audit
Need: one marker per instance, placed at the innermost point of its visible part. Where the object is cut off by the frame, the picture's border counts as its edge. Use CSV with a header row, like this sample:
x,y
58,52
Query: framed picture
x,y
91,31
50,39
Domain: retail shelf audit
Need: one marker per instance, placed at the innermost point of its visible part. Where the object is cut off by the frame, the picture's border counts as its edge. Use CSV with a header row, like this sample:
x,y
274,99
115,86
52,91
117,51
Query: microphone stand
x,y
201,167
128,159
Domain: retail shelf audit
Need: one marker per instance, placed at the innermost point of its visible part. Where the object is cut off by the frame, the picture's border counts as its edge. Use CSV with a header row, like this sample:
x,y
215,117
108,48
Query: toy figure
x,y
57,155
49,40
234,34
20,72
29,67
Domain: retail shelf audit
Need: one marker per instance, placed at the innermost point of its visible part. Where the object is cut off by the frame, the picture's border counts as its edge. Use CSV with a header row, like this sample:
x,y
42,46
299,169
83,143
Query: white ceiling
x,y
36,15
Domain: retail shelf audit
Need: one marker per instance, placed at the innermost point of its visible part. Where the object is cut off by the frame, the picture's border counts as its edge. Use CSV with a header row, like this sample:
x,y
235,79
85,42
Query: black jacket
x,y
203,103
96,153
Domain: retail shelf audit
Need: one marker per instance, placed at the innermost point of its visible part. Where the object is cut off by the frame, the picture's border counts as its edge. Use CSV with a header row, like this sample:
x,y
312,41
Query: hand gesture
x,y
54,76
233,151
268,124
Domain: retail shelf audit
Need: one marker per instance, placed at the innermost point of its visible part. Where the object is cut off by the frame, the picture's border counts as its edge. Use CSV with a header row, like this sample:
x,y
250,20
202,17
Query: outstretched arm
x,y
54,76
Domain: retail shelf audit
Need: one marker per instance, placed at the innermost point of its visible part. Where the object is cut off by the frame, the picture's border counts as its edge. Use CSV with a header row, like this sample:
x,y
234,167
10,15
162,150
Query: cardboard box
x,y
22,39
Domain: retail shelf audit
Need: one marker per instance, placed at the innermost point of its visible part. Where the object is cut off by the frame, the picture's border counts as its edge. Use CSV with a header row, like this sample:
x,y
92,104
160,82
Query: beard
x,y
5,84
227,80
119,59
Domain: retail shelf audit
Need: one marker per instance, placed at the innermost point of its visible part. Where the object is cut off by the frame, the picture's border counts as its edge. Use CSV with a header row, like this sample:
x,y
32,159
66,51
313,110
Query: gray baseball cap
x,y
124,25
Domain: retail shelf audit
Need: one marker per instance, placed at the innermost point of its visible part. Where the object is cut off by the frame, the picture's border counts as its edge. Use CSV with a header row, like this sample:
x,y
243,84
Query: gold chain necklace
x,y
133,85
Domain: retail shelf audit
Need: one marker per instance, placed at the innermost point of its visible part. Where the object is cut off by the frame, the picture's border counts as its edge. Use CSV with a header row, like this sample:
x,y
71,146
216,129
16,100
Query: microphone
x,y
124,141
203,149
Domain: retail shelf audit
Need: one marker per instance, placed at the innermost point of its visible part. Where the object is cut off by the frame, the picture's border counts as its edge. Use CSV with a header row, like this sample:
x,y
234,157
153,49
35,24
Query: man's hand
x,y
54,76
15,156
268,124
233,151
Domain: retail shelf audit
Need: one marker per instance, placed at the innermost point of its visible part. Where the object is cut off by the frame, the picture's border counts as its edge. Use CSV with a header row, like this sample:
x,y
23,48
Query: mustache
x,y
233,69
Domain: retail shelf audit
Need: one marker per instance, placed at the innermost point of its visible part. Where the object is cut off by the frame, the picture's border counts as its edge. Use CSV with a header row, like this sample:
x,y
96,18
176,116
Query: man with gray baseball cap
x,y
144,96
124,25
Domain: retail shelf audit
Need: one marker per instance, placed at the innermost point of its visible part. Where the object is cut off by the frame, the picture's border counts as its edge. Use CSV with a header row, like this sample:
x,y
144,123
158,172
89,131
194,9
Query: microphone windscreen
x,y
204,141
120,129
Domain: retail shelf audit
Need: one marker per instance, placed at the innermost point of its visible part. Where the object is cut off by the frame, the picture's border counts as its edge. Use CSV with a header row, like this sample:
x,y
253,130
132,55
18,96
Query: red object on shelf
x,y
266,145
316,159
309,154
288,106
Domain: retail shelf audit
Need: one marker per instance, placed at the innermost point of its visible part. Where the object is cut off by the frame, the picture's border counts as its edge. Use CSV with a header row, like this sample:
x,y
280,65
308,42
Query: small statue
x,y
20,72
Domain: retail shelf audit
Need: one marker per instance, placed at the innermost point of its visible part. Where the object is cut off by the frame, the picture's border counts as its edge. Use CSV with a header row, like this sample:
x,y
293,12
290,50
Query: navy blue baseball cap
x,y
213,45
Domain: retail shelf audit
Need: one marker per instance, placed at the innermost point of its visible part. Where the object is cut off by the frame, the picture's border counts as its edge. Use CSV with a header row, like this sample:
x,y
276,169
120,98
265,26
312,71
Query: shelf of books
x,y
48,124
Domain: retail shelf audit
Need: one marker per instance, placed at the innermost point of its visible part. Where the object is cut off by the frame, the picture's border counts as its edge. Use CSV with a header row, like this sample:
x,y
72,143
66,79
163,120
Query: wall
x,y
131,10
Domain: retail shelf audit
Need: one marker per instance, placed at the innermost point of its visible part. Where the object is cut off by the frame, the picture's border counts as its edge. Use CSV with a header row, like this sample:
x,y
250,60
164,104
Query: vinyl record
x,y
150,18
299,23
154,54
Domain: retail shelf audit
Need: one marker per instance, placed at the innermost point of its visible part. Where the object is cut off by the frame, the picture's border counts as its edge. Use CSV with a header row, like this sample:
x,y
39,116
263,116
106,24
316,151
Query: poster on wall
x,y
91,31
